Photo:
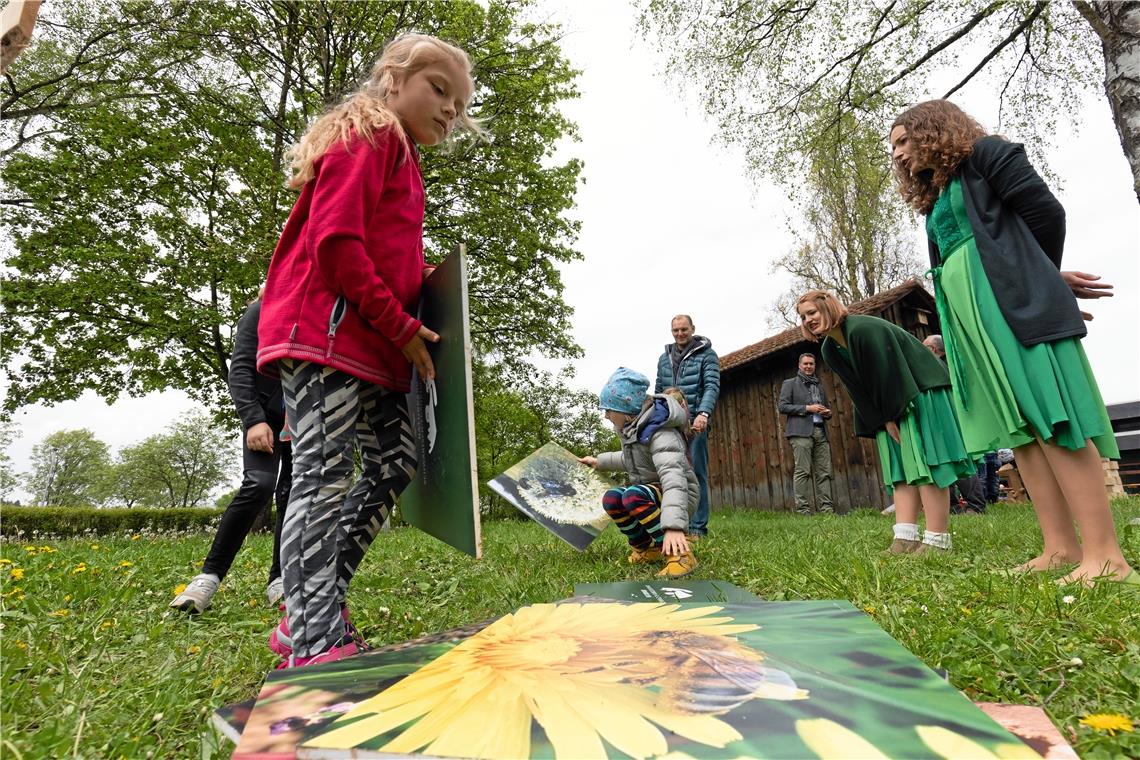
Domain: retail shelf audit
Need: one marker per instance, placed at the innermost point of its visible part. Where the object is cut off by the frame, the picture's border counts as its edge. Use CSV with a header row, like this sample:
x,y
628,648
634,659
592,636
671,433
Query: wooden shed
x,y
750,461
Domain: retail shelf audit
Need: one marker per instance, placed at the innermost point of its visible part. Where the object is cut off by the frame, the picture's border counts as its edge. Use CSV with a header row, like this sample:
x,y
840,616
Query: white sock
x,y
906,531
941,540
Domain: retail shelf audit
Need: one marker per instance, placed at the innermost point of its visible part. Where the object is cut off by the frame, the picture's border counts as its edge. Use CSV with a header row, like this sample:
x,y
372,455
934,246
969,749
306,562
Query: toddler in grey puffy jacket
x,y
653,512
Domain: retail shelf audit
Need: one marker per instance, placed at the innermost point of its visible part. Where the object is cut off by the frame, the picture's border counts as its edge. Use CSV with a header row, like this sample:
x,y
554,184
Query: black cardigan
x,y
1019,228
257,397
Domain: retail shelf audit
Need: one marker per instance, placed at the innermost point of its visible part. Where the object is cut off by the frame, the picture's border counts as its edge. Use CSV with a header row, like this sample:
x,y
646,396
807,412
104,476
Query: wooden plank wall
x,y
750,461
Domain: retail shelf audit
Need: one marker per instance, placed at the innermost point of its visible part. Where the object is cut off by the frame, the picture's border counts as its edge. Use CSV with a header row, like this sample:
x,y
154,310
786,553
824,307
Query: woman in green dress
x,y
901,393
1012,327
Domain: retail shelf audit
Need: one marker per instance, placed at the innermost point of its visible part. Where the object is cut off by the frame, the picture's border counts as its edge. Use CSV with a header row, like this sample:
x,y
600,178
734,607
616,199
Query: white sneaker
x,y
197,595
275,591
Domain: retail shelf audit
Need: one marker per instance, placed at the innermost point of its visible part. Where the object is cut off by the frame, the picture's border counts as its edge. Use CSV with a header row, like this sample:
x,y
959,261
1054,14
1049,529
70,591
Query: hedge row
x,y
25,522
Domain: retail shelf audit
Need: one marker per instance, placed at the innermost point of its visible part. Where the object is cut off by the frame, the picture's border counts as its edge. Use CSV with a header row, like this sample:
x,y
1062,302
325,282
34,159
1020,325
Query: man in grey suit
x,y
804,401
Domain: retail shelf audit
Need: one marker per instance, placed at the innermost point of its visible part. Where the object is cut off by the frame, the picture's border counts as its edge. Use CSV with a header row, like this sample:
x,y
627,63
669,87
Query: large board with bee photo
x,y
590,678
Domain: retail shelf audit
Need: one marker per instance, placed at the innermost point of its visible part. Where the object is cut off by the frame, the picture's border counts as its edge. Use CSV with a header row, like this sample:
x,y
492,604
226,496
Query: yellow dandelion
x,y
582,672
80,568
95,547
60,613
17,573
5,562
30,549
193,649
250,602
67,597
126,563
47,550
869,610
217,682
179,588
21,645
135,537
15,590
967,611
1110,723
106,624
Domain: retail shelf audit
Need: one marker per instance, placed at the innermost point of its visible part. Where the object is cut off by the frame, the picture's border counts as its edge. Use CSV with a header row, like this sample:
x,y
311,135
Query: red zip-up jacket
x,y
345,277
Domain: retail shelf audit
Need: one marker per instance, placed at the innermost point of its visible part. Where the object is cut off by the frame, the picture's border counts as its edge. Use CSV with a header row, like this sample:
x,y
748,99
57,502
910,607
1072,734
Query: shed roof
x,y
874,305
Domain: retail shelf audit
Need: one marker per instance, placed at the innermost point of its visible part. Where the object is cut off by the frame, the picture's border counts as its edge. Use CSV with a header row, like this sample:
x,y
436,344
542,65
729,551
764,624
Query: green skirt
x,y
1006,394
931,450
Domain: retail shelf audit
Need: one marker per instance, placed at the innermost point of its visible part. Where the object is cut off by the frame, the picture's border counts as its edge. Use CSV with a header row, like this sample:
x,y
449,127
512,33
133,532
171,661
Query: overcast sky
x,y
671,224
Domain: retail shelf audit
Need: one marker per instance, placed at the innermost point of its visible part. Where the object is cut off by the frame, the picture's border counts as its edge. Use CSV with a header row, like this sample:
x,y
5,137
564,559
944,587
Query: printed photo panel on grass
x,y
596,679
551,487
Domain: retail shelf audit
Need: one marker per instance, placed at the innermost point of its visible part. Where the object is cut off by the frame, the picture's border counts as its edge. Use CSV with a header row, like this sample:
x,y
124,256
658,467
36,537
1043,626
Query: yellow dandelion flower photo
x,y
584,673
17,573
603,679
1110,723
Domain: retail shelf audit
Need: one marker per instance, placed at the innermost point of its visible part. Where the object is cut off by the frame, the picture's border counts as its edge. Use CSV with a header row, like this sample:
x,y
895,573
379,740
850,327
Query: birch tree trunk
x,y
1118,26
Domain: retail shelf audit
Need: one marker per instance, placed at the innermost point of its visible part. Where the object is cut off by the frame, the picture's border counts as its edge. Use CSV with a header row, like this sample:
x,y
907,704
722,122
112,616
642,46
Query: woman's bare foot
x,y
1042,563
1088,572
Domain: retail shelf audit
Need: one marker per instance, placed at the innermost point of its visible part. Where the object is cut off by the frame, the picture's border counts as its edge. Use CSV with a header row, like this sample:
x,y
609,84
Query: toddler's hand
x,y
415,351
893,431
675,543
589,461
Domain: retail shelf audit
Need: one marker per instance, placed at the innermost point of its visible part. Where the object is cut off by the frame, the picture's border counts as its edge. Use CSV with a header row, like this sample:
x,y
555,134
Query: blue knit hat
x,y
625,391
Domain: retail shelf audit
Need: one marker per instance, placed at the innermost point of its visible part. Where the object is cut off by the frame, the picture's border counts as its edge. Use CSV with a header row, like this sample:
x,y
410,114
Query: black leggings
x,y
266,476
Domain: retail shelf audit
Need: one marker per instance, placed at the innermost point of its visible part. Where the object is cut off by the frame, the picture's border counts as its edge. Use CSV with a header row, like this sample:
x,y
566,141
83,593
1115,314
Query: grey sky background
x,y
671,224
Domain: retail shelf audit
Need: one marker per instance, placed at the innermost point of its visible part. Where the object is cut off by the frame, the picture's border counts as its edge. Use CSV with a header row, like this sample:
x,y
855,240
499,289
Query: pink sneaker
x,y
281,642
331,655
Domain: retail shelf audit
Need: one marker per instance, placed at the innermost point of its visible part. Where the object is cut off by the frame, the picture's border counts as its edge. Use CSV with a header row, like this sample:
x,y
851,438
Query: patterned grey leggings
x,y
329,527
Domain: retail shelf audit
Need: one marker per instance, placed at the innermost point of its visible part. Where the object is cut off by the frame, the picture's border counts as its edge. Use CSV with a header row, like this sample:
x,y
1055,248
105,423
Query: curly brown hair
x,y
941,136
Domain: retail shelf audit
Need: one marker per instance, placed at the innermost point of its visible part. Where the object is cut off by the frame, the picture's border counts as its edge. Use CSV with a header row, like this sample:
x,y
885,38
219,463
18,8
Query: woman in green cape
x,y
901,393
1012,327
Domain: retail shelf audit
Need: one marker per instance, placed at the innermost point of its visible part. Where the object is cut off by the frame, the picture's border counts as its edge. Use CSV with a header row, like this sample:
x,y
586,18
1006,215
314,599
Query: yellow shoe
x,y
641,556
678,565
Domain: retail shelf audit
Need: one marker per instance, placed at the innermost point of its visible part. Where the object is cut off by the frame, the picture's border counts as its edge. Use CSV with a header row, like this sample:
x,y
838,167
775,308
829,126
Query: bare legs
x,y
1067,486
933,501
907,503
1060,537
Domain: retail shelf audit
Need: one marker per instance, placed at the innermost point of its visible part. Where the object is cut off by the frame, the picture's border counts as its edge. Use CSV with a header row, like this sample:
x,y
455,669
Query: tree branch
x,y
1038,9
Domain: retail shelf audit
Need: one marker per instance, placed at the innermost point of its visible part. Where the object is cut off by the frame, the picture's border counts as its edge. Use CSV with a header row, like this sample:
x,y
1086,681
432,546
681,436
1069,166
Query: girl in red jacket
x,y
337,325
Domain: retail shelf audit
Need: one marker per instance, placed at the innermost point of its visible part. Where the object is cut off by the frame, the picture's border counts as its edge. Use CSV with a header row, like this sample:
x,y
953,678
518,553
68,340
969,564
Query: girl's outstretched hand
x,y
893,431
415,351
675,543
1085,285
589,461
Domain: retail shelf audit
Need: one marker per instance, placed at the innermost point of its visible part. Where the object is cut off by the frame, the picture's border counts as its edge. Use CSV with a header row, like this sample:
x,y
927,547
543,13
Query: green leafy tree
x,y
765,70
8,477
178,468
69,469
851,227
144,180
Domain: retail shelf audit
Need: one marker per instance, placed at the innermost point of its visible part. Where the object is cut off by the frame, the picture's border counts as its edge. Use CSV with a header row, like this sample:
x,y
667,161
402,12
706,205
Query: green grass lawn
x,y
95,664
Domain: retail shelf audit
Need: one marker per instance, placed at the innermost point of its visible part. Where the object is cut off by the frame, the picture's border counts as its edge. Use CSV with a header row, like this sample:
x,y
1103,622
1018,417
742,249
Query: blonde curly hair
x,y
366,110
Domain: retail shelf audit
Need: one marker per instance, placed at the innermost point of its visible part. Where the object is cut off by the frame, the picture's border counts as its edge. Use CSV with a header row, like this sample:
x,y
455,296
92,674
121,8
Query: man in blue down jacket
x,y
689,363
